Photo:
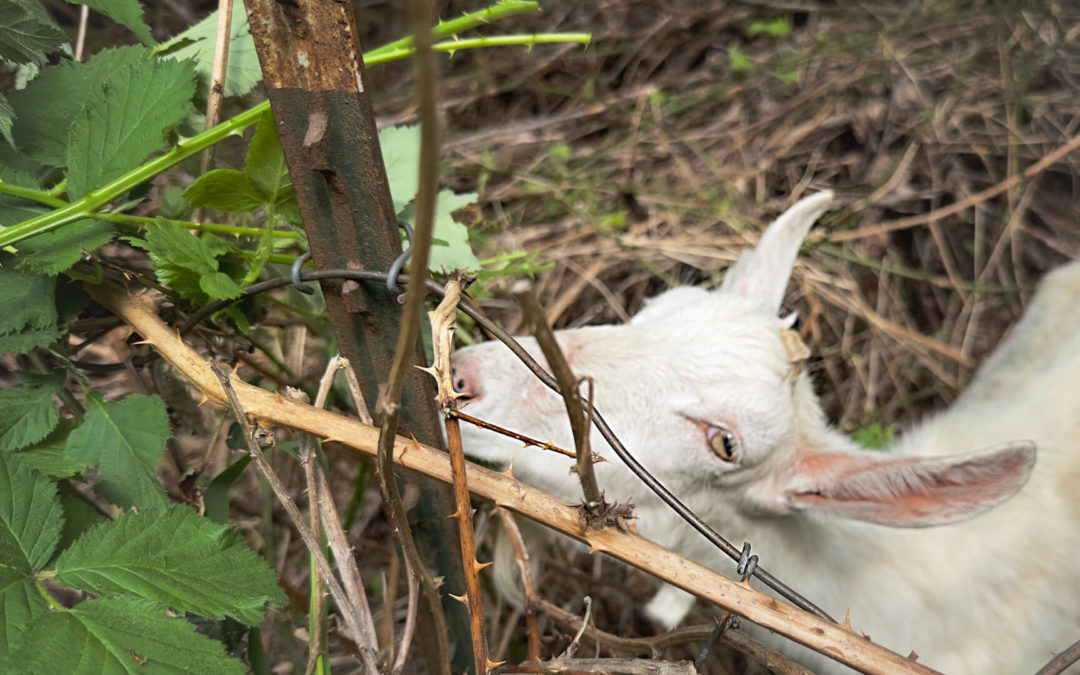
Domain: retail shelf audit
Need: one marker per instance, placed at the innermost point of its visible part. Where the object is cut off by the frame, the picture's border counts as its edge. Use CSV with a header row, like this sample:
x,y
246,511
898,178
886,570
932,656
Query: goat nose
x,y
465,381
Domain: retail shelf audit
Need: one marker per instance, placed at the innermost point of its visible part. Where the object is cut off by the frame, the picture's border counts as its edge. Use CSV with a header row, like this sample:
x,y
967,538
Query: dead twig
x,y
1062,660
443,320
568,387
389,403
358,629
543,445
521,554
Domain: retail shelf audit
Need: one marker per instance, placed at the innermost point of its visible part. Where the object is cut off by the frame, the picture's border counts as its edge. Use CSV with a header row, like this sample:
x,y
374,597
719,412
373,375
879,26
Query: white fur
x,y
991,588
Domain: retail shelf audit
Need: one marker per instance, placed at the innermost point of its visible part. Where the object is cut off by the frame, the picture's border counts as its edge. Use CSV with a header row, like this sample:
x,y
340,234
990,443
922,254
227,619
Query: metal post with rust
x,y
313,70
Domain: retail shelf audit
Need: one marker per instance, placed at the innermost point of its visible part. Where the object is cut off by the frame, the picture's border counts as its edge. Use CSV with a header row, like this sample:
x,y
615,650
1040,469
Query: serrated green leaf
x,y
454,252
401,155
126,119
50,455
175,557
124,440
287,207
198,42
265,161
30,516
127,13
27,301
54,252
20,604
7,119
188,263
110,636
26,37
27,413
48,106
173,204
28,339
225,190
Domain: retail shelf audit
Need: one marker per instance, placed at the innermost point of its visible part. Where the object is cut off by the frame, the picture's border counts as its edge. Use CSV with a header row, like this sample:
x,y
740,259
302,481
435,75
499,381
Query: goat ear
x,y
762,273
905,491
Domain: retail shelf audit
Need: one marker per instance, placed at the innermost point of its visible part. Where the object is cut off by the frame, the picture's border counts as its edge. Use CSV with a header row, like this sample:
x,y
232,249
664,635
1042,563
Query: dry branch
x,y
568,387
442,321
830,639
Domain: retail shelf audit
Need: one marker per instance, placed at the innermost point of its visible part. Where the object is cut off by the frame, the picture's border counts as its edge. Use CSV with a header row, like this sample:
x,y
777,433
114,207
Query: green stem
x,y
469,21
475,43
53,604
96,199
235,230
40,196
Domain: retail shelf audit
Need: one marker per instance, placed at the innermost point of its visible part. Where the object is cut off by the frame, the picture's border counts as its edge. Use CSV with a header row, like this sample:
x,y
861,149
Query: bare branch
x,y
365,641
568,387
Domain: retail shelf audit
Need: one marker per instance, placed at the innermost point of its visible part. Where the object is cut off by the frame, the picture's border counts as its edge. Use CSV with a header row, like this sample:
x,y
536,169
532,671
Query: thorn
x,y
235,370
463,599
846,623
477,565
493,664
143,342
432,371
205,398
455,515
595,548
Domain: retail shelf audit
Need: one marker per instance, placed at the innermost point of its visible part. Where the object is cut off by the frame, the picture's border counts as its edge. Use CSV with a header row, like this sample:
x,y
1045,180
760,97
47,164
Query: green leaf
x,y
874,437
401,155
28,339
198,42
224,190
7,119
265,161
27,309
50,455
53,252
25,36
20,603
188,263
48,106
120,635
216,497
127,13
27,413
776,27
454,252
740,62
175,557
124,440
30,516
126,119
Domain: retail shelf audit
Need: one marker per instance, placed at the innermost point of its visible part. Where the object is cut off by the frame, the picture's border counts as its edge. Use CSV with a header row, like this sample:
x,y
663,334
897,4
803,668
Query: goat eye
x,y
723,443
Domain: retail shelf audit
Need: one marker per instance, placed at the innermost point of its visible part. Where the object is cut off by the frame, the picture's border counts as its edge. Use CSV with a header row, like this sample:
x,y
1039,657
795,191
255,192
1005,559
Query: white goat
x,y
705,390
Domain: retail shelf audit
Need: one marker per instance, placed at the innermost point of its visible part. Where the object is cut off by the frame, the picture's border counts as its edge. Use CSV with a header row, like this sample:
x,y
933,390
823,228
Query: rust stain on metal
x,y
313,69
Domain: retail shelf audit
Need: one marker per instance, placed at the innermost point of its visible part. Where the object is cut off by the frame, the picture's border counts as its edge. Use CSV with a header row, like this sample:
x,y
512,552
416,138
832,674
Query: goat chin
x,y
955,543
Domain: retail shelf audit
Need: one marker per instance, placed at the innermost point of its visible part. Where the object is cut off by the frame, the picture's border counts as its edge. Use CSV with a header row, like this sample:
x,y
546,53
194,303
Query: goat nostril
x,y
459,385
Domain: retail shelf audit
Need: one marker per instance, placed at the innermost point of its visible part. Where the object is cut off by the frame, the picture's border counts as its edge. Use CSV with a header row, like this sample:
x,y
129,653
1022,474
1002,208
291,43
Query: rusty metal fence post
x,y
313,70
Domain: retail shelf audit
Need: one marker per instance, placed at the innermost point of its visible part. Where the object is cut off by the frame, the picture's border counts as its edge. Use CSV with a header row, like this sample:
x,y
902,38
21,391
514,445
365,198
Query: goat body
x,y
954,543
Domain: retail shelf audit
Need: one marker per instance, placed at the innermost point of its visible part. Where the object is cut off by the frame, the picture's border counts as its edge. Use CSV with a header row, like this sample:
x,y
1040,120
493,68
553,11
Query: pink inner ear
x,y
909,491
